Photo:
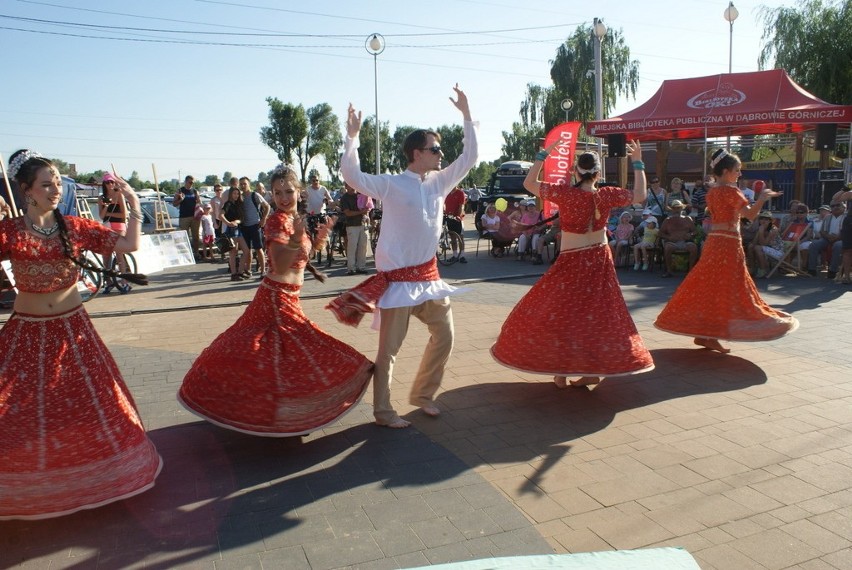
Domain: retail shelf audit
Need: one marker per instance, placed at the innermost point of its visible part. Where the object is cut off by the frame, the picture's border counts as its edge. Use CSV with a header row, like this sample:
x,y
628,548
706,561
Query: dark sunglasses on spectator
x,y
433,149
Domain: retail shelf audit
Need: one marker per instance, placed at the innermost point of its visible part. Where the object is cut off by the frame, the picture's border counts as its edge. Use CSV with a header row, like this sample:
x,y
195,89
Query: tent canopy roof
x,y
755,103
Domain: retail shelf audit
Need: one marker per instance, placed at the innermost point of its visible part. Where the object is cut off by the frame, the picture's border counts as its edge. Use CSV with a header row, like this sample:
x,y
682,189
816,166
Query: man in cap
x,y
828,238
678,233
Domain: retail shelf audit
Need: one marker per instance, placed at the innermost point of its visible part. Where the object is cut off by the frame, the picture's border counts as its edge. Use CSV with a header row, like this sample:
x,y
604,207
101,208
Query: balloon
x,y
758,186
501,204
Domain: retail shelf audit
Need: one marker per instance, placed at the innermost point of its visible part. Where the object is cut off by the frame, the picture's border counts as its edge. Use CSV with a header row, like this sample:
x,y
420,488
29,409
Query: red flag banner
x,y
559,165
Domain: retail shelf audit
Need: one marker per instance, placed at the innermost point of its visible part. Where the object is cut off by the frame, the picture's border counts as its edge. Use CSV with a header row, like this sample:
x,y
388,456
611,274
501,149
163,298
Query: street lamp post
x,y
731,14
375,45
599,30
567,105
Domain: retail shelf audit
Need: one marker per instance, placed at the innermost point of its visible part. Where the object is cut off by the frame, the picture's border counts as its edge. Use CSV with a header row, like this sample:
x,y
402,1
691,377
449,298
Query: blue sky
x,y
110,94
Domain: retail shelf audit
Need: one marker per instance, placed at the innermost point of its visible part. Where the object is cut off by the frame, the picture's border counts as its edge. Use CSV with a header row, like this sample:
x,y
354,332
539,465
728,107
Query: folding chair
x,y
792,237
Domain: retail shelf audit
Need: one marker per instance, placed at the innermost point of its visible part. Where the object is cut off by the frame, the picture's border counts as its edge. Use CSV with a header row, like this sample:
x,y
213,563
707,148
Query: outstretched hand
x,y
635,150
461,102
353,122
298,227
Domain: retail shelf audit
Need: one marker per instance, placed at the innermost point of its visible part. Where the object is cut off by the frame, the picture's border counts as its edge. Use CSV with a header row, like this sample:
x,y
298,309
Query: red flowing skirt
x,y
274,372
574,322
70,435
718,299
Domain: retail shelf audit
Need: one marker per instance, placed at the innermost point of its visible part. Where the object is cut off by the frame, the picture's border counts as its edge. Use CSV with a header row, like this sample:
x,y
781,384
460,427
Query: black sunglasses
x,y
433,149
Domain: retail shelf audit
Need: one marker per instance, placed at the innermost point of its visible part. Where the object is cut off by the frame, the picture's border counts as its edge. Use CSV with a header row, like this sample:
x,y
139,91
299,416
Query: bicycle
x,y
89,281
375,228
130,267
336,242
445,244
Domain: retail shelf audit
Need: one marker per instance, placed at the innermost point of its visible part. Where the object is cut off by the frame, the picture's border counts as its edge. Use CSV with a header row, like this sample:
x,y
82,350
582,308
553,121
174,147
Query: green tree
x,y
288,127
211,180
480,174
367,151
812,41
134,181
452,137
226,177
570,74
522,143
322,134
332,155
398,161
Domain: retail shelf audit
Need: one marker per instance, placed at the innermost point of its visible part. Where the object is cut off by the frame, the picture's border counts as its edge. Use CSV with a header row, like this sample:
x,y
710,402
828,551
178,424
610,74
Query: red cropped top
x,y
40,264
279,228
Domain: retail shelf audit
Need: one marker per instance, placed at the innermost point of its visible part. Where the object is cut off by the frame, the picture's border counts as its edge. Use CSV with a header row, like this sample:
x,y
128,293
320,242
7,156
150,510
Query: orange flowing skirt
x,y
574,322
718,299
70,435
274,372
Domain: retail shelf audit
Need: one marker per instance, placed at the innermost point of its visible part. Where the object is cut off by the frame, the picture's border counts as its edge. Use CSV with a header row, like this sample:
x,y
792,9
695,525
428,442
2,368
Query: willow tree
x,y
572,79
812,41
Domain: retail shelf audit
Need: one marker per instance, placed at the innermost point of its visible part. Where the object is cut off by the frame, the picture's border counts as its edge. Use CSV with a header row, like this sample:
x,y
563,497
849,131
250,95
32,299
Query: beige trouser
x,y
356,247
437,315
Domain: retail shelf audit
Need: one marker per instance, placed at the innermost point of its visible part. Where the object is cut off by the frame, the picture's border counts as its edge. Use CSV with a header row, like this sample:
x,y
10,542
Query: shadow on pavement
x,y
538,423
222,491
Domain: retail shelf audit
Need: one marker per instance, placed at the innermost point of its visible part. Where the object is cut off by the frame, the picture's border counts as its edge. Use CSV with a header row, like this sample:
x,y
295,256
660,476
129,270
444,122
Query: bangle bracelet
x,y
638,165
541,155
135,215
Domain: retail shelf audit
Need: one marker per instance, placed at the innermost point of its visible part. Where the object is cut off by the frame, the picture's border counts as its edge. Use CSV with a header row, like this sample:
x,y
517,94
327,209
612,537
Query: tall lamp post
x,y
375,45
599,30
731,14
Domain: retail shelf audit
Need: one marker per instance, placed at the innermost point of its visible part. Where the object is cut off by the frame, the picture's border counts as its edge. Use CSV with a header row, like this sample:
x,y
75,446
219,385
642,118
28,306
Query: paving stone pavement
x,y
744,459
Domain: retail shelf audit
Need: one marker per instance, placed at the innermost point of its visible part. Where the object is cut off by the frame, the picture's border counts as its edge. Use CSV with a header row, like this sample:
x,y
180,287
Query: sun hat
x,y
677,204
108,177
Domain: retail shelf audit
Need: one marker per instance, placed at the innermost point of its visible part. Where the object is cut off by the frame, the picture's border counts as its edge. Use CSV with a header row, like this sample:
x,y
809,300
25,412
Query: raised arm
x,y
640,192
350,165
751,211
130,240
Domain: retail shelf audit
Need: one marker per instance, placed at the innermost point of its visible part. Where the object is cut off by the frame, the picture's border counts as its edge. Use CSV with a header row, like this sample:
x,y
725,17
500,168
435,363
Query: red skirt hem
x,y
274,373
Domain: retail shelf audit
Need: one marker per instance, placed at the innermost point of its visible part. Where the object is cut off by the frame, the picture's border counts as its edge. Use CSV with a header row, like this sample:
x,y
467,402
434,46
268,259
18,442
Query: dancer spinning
x,y
274,372
70,434
718,299
577,306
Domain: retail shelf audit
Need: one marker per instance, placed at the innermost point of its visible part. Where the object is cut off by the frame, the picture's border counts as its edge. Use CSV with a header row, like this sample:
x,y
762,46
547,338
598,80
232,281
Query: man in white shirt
x,y
318,196
405,256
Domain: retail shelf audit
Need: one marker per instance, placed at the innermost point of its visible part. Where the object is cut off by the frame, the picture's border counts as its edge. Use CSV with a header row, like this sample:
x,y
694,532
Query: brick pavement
x,y
745,460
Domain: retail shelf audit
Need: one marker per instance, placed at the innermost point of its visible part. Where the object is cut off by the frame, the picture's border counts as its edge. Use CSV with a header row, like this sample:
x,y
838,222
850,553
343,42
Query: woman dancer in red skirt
x,y
70,435
574,321
718,299
274,372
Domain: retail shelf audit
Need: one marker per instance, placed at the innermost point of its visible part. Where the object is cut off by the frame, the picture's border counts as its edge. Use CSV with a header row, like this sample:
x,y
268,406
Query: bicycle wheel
x,y
128,259
89,281
445,248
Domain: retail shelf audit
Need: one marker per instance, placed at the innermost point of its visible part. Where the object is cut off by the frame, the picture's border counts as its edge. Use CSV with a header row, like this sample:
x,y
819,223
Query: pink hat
x,y
108,176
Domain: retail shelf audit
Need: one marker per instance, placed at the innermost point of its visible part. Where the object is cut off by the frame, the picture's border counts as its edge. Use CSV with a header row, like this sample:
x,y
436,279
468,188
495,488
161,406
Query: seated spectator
x,y
678,233
622,236
641,251
792,210
829,238
799,215
552,235
678,192
507,231
525,226
490,221
699,196
767,243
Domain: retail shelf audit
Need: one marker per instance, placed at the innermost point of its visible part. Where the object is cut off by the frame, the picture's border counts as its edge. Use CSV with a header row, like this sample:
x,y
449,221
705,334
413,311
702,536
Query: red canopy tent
x,y
755,103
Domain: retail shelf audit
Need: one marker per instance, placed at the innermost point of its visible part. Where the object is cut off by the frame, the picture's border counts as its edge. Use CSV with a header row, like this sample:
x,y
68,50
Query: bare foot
x,y
560,381
712,344
586,381
431,411
398,423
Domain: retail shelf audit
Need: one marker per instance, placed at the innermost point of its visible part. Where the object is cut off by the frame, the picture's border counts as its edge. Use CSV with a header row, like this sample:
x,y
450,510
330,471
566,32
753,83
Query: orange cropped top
x,y
278,229
40,264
